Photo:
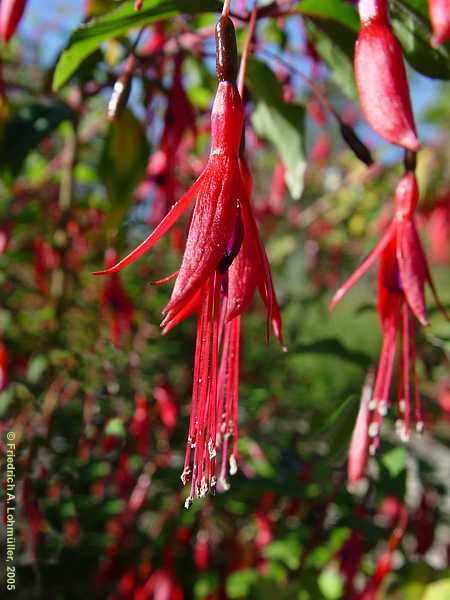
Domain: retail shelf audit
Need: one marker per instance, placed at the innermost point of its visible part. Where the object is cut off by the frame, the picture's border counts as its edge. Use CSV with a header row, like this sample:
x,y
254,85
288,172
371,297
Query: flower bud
x,y
381,80
440,20
406,196
226,50
11,12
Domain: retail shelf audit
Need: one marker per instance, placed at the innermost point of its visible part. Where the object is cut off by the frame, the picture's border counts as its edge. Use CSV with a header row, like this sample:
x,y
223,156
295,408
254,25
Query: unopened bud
x,y
226,50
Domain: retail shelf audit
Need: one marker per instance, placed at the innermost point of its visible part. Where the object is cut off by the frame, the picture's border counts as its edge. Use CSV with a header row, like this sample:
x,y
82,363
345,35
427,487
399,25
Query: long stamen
x,y
405,328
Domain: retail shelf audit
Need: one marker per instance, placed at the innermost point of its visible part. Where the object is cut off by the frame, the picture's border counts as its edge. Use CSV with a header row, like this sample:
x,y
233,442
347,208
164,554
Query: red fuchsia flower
x,y
278,190
381,77
359,445
402,275
11,12
45,259
222,231
440,20
116,303
140,425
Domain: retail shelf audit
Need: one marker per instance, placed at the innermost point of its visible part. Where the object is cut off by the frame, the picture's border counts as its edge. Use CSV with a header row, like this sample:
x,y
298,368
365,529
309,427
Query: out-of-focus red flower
x,y
437,225
201,551
4,235
359,445
320,152
350,556
440,20
3,367
71,531
162,583
278,190
167,406
116,303
162,165
424,523
402,275
381,77
32,515
11,12
140,424
316,111
384,563
45,259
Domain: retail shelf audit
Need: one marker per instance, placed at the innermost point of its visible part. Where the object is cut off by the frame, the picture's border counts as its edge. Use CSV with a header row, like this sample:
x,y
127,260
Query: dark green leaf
x,y
412,28
90,36
280,123
26,130
123,162
334,347
332,10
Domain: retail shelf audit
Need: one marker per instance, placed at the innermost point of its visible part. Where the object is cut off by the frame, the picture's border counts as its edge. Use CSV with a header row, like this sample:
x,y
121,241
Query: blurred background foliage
x,y
100,427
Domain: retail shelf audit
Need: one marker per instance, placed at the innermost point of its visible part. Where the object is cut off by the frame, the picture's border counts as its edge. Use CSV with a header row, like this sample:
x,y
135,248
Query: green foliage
x,y
88,37
280,123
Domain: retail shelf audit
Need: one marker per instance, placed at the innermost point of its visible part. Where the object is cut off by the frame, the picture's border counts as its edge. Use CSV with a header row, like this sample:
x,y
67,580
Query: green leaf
x,y
239,583
394,461
332,10
330,583
411,26
88,37
286,551
280,123
334,347
115,427
437,590
335,44
26,130
123,162
36,368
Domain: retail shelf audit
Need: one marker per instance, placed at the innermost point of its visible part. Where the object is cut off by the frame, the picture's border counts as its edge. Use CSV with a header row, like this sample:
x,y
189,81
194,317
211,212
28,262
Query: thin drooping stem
x,y
246,50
